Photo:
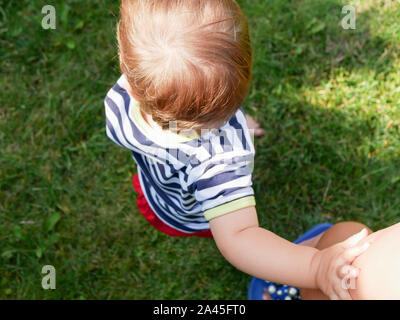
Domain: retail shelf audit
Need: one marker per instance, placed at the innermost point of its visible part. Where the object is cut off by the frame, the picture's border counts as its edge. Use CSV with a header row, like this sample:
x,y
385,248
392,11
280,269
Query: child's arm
x,y
263,254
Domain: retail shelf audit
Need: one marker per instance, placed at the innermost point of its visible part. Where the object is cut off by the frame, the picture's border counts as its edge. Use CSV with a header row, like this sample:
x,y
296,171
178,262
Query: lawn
x,y
328,99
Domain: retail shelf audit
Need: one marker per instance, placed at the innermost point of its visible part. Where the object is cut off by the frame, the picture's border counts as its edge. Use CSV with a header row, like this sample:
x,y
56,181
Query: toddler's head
x,y
186,60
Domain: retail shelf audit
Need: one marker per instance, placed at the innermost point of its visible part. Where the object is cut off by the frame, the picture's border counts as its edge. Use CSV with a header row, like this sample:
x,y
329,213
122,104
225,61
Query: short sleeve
x,y
225,186
223,183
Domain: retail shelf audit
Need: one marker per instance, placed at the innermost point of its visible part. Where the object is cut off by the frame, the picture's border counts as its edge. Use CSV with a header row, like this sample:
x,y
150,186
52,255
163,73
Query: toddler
x,y
186,70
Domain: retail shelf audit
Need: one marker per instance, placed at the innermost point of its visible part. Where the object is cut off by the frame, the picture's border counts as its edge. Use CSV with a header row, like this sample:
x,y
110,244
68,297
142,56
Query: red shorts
x,y
156,222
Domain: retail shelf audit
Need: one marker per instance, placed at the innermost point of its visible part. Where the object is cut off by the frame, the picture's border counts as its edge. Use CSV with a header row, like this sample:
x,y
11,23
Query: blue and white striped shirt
x,y
187,179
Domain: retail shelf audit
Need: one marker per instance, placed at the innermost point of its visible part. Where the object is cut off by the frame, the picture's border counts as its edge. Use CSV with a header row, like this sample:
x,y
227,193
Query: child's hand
x,y
334,268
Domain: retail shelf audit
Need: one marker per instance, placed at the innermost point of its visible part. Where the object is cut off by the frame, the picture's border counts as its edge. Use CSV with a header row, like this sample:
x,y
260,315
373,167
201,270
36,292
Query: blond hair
x,y
186,60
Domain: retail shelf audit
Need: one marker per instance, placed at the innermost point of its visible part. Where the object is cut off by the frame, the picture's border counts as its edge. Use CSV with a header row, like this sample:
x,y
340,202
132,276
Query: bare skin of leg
x,y
379,267
312,242
338,233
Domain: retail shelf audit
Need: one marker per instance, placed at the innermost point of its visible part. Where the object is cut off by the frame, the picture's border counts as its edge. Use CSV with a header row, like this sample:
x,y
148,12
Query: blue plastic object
x,y
258,287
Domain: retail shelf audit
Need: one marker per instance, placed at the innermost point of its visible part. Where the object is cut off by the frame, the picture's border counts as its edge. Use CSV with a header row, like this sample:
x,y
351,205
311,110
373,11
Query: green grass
x,y
327,98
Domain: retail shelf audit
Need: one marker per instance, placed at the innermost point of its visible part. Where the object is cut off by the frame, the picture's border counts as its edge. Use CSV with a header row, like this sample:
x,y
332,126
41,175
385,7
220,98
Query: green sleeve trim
x,y
241,203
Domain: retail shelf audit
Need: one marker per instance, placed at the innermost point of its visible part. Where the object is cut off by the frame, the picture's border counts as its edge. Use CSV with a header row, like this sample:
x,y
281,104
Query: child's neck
x,y
149,120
